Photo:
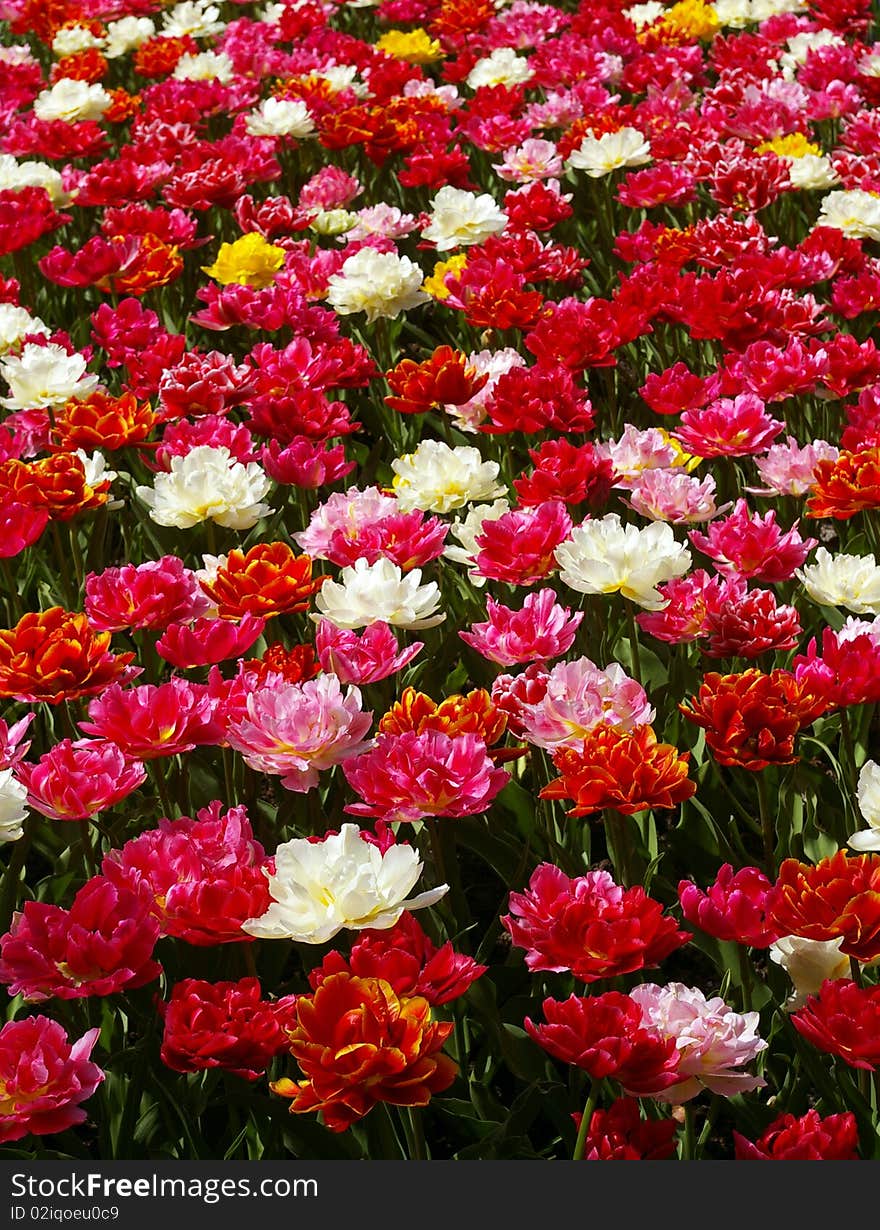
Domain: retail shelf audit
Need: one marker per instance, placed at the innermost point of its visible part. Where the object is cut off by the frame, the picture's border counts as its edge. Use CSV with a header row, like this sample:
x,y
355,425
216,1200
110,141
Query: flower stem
x,y
589,1107
90,864
388,1141
633,641
714,1107
76,556
418,1147
745,974
767,830
63,567
849,757
618,837
688,1143
864,1076
162,791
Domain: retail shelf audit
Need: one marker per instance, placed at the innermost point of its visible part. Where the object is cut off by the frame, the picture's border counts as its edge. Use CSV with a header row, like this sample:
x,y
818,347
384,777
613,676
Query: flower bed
x,y
440,642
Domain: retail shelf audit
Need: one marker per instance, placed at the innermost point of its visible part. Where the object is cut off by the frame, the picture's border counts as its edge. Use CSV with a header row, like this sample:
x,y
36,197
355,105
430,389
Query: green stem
x,y
589,1107
864,1076
768,832
714,1107
745,974
388,1142
63,567
419,1146
226,757
461,1041
443,848
162,790
211,537
634,641
618,837
688,1143
849,757
90,865
76,556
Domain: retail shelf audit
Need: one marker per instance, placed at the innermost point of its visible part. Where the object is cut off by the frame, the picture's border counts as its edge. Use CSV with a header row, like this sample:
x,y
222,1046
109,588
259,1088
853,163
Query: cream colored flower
x,y
373,593
71,39
868,796
379,284
192,17
45,376
96,472
437,478
601,155
16,323
205,66
13,811
343,882
605,557
869,64
342,77
126,35
333,222
808,963
851,581
15,175
502,67
642,15
812,171
208,484
460,218
762,9
869,792
466,532
800,45
72,101
281,117
733,13
855,212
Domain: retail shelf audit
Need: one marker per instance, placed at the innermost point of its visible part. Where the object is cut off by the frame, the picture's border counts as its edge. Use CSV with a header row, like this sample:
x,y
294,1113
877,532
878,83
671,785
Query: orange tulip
x,y
846,486
57,483
627,770
358,1044
839,896
752,719
56,655
103,421
267,580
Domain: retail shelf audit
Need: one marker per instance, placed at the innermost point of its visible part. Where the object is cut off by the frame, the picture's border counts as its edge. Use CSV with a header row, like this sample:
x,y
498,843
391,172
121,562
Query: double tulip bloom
x,y
752,719
45,1077
224,1025
589,926
668,1042
56,655
358,1043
